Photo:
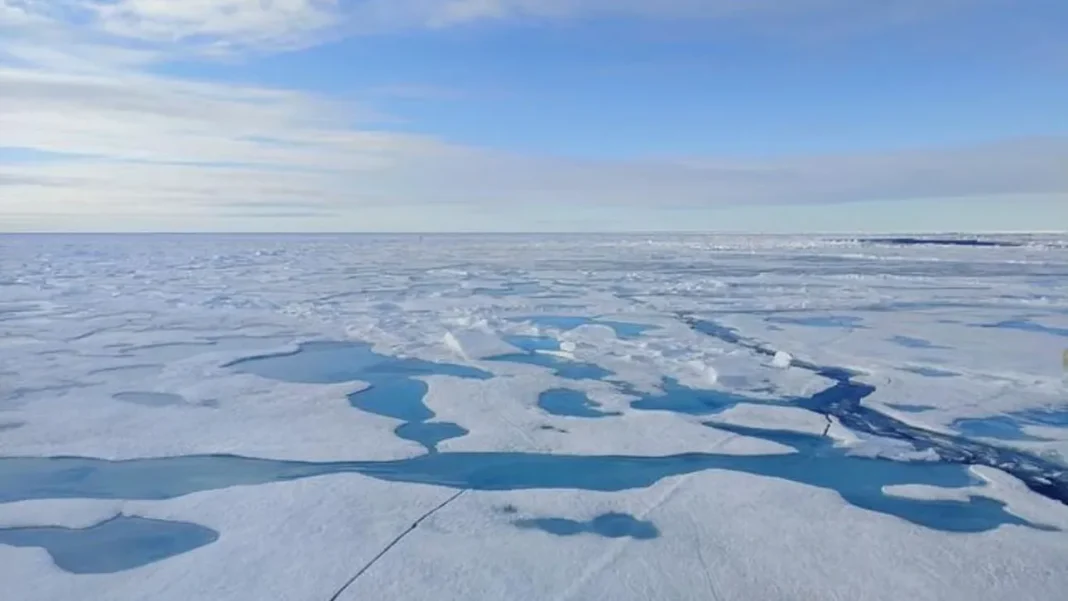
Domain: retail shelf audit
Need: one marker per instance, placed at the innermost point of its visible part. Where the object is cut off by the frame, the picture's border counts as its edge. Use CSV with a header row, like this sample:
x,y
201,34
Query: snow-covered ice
x,y
532,417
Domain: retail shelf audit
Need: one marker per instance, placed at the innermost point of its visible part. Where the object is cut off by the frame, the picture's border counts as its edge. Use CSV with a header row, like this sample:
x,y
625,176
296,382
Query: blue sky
x,y
534,115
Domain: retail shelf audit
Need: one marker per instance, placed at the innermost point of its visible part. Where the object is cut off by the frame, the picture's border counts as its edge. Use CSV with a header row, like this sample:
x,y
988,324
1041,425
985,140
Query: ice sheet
x,y
680,463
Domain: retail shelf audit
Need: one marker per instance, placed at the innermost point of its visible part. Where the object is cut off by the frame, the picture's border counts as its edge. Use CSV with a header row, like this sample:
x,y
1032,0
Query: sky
x,y
760,116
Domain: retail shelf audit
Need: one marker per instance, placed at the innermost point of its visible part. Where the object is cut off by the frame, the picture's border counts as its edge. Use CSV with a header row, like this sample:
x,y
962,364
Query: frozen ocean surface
x,y
533,417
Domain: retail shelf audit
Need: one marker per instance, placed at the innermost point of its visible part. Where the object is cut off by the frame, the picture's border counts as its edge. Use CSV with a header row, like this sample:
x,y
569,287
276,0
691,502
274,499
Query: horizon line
x,y
535,233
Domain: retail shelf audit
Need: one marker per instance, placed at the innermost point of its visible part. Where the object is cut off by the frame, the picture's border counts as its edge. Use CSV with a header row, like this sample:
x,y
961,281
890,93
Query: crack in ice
x,y
393,543
843,402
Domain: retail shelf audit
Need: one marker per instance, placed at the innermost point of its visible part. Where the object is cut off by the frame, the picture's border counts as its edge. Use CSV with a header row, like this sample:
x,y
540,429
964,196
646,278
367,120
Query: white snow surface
x,y
88,321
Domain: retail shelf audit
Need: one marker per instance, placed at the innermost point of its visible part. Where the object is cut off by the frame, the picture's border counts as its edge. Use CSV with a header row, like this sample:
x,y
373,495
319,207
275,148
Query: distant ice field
x,y
537,417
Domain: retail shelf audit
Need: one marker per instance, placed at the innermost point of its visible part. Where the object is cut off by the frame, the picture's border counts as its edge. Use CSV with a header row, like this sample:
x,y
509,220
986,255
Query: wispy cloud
x,y
148,145
170,153
206,25
237,22
224,26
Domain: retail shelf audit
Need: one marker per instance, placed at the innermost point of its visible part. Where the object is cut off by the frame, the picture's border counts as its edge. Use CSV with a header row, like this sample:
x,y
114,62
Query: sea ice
x,y
504,417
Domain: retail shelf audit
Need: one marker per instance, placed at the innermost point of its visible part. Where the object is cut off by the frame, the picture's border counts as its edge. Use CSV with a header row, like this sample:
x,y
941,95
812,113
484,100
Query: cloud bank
x,y
91,136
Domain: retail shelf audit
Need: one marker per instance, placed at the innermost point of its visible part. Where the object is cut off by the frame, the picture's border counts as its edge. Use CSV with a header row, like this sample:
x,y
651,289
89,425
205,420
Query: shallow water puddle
x,y
1009,426
561,366
999,427
533,344
844,401
394,390
1026,325
677,398
860,481
916,343
338,362
564,402
608,525
121,543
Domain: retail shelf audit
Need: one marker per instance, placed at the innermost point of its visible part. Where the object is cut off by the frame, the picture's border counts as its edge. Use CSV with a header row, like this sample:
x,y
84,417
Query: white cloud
x,y
228,26
134,141
176,26
241,22
14,14
134,116
144,145
124,146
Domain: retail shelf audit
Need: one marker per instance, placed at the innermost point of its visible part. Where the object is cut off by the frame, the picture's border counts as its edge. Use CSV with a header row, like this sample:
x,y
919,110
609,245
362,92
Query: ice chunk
x,y
708,374
782,360
886,448
476,344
